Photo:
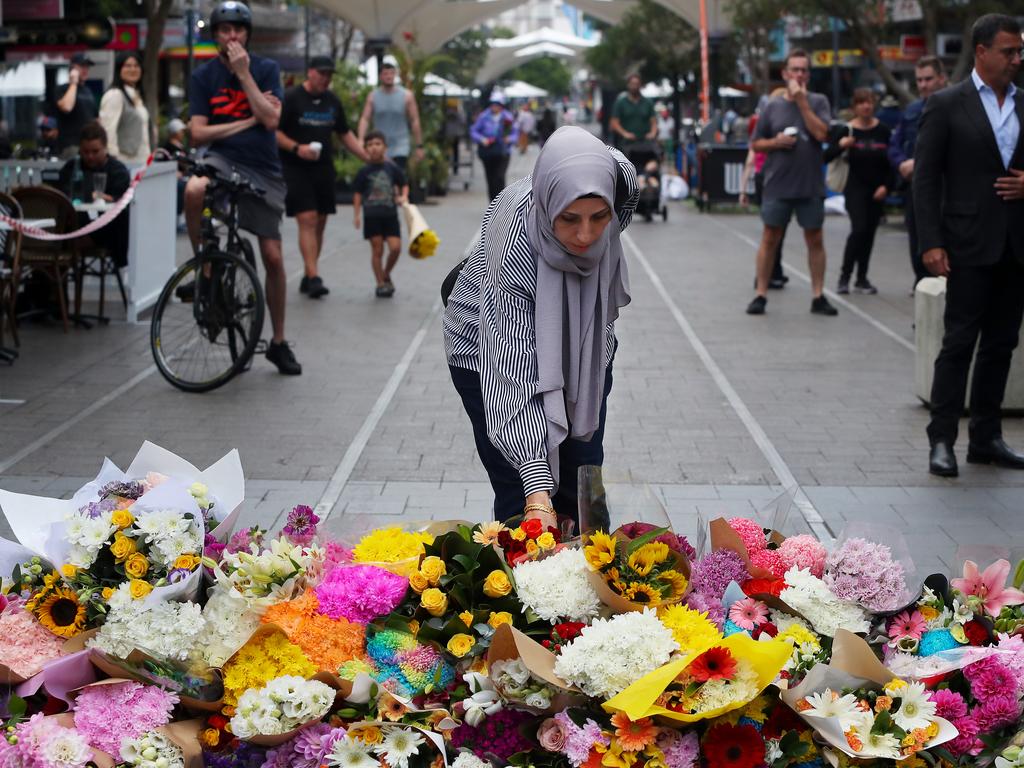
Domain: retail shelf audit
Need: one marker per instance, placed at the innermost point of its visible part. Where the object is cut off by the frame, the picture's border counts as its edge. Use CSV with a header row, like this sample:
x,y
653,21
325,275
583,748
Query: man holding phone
x,y
790,131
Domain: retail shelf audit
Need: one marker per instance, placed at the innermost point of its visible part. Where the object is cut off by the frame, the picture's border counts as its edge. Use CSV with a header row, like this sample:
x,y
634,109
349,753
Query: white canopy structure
x,y
438,86
26,79
506,53
608,11
517,89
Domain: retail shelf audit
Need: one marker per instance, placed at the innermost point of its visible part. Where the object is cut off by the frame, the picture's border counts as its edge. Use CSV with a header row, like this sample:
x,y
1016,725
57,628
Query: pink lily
x,y
989,586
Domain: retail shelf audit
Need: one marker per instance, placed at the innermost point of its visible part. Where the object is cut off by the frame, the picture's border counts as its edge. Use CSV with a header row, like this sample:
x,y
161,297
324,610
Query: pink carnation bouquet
x,y
107,714
360,593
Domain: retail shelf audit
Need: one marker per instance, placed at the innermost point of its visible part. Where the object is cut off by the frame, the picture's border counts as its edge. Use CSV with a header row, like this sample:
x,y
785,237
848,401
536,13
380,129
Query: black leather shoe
x,y
995,451
942,460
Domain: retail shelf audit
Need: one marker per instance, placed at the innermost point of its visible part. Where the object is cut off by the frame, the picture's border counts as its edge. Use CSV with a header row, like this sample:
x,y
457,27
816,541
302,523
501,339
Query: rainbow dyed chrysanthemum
x,y
404,666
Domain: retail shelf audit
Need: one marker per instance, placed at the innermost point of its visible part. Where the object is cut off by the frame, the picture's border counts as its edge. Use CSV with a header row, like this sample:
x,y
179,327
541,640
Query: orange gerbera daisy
x,y
633,735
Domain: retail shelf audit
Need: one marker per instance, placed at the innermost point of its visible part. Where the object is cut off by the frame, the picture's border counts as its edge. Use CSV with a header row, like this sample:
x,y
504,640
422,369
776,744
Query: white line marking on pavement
x,y
348,462
778,464
831,295
39,442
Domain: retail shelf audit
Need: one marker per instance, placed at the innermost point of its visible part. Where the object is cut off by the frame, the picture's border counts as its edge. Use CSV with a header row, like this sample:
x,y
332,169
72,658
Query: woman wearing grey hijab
x,y
529,326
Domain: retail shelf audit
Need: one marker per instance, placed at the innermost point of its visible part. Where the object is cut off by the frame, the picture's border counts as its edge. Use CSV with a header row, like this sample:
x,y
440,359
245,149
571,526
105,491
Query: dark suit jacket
x,y
956,164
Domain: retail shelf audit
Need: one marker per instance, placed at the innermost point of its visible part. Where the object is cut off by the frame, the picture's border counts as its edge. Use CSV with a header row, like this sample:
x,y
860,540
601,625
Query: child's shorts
x,y
381,227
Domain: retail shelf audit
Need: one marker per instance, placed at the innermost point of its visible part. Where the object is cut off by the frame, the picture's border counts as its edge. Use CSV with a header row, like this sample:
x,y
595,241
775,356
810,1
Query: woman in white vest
x,y
124,115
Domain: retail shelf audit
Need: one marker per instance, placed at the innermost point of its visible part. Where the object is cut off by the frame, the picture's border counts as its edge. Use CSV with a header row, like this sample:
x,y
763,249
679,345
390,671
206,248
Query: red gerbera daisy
x,y
715,663
733,746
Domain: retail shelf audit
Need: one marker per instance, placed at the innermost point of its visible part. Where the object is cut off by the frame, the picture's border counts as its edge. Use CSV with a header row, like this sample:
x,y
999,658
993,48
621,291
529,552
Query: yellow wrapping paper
x,y
638,700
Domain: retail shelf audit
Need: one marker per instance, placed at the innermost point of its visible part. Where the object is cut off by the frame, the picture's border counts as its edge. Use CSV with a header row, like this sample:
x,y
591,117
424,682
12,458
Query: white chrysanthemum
x,y
282,704
167,631
81,557
809,595
65,749
160,524
612,654
557,587
829,704
398,746
915,710
469,760
348,753
95,533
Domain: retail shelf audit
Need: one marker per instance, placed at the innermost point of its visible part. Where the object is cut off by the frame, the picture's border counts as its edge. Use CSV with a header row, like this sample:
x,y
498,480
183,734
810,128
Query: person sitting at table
x,y
93,159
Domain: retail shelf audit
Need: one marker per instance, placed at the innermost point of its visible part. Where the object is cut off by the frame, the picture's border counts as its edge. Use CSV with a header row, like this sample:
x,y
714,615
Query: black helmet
x,y
231,12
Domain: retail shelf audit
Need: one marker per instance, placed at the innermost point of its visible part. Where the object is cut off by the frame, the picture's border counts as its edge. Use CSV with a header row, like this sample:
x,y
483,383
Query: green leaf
x,y
469,564
648,537
17,706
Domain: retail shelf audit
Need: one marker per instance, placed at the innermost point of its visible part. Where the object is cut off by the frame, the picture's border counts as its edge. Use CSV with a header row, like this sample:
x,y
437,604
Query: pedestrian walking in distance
x,y
790,131
391,109
969,206
495,133
311,115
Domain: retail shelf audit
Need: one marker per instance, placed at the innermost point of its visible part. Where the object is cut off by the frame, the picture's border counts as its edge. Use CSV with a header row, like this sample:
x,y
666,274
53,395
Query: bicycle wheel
x,y
207,322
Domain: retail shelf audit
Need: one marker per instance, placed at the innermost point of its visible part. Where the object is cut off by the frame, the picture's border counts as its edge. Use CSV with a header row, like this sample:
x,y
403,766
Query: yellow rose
x,y
531,547
122,548
122,518
496,619
497,584
210,737
186,562
369,735
460,645
414,627
518,534
418,582
139,589
108,592
69,571
433,568
546,540
435,601
467,618
136,566
927,612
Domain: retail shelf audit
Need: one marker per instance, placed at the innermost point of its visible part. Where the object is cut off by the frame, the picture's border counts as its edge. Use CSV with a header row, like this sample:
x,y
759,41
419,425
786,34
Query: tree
x,y
754,21
156,20
547,72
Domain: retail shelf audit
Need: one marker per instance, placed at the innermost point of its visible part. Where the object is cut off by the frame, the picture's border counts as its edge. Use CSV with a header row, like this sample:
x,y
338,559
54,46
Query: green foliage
x,y
549,73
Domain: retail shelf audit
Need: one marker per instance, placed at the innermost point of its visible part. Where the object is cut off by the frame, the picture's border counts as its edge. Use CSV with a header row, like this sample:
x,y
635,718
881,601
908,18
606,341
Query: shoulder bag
x,y
839,168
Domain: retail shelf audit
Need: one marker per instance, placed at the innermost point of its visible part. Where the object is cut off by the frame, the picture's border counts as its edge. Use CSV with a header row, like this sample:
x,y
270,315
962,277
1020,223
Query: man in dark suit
x,y
969,206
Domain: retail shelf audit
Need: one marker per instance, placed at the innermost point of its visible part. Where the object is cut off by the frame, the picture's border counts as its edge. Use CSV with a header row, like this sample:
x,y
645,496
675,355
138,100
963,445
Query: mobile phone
x,y
791,131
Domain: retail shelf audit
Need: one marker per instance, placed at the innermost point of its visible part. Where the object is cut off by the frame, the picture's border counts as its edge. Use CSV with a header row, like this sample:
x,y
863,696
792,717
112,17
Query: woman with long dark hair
x,y
124,115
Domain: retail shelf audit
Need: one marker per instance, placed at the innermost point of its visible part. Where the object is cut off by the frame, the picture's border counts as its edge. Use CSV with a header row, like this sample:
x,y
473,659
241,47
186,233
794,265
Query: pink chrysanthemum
x,y
804,551
996,712
771,561
949,705
750,532
907,624
989,679
748,613
967,742
360,593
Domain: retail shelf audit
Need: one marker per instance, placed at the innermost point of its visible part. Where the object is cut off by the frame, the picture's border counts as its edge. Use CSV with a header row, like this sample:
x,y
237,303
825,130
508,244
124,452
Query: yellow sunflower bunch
x,y
57,607
643,574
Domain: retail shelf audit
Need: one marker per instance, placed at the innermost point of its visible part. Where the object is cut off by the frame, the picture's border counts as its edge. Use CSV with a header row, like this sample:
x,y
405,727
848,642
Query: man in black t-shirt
x,y
310,114
76,105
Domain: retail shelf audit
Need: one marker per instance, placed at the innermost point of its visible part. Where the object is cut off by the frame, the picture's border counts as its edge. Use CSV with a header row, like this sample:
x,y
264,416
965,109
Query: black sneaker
x,y
863,286
282,356
390,286
778,283
844,286
820,306
316,288
304,285
756,307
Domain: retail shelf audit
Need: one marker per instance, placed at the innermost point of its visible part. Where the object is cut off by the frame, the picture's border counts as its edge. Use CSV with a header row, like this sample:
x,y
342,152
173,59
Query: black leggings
x,y
494,168
509,498
865,214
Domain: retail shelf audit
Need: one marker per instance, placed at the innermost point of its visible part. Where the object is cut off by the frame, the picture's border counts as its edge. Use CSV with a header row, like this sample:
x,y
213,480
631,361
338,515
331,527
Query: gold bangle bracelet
x,y
539,508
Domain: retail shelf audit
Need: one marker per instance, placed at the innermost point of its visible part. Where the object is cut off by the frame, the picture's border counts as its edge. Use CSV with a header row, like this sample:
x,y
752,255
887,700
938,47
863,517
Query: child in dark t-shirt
x,y
381,187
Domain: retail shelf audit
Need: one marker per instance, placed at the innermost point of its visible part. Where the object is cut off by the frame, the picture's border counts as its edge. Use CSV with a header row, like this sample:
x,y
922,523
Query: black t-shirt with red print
x,y
217,95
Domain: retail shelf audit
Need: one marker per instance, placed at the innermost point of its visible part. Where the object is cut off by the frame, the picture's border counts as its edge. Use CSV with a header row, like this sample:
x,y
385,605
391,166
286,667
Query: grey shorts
x,y
258,214
810,212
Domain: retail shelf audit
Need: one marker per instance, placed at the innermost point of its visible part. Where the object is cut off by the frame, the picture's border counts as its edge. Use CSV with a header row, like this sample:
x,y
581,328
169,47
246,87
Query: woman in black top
x,y
867,186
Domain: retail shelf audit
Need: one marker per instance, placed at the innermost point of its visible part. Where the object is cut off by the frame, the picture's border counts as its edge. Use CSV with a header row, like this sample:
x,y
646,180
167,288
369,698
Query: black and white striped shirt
x,y
489,328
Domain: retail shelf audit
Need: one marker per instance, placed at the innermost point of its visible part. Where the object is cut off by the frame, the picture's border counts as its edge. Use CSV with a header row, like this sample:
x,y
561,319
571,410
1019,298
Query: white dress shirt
x,y
1005,124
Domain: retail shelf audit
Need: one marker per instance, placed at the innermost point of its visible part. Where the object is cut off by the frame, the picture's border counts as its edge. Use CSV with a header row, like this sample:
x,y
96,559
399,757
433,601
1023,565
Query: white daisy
x,y
916,709
398,746
347,753
828,704
883,745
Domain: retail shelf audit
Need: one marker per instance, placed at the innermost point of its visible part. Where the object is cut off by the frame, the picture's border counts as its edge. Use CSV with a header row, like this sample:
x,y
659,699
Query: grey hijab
x,y
577,296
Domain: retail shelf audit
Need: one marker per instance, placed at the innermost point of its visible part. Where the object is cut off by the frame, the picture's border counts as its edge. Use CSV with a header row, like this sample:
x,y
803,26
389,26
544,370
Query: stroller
x,y
646,158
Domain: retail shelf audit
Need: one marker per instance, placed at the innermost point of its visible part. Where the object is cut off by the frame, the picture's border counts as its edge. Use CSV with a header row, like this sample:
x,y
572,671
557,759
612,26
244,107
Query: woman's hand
x,y
881,193
847,141
538,506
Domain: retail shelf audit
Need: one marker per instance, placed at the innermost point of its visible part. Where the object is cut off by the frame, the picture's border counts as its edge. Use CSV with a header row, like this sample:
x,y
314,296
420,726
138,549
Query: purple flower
x,y
498,735
681,749
176,575
864,572
579,741
703,603
240,540
245,755
96,508
713,572
949,705
301,525
131,489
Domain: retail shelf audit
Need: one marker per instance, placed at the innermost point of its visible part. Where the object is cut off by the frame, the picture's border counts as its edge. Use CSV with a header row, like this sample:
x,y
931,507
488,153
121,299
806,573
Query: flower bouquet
x,y
423,241
632,574
705,683
49,742
557,587
374,744
394,548
326,641
871,574
272,714
406,665
266,574
523,673
25,645
758,547
855,705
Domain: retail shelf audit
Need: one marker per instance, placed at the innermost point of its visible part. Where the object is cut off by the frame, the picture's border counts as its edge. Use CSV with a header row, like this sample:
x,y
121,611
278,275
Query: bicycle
x,y
207,322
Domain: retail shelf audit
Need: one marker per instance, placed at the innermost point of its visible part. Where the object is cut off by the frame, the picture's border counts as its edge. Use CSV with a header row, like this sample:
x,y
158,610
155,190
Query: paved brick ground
x,y
833,395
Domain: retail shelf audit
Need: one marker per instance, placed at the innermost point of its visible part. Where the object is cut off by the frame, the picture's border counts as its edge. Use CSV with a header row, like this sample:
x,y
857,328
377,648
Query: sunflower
x,y
642,593
648,556
600,551
676,583
61,613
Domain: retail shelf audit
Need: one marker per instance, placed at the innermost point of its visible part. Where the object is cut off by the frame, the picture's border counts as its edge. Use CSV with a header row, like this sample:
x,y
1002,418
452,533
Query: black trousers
x,y
509,498
985,302
865,214
916,262
494,169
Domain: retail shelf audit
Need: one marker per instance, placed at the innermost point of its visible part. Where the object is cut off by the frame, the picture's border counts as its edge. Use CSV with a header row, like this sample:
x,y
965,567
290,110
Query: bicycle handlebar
x,y
236,183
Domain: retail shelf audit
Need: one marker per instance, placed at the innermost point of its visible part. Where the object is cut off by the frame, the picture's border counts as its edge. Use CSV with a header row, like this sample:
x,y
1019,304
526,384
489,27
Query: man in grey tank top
x,y
391,109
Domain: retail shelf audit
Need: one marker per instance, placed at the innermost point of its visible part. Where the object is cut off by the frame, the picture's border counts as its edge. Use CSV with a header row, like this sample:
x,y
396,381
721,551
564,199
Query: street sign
x,y
848,57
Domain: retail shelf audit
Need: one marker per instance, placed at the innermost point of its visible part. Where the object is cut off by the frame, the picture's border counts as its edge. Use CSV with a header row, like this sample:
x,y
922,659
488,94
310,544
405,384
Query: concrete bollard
x,y
929,306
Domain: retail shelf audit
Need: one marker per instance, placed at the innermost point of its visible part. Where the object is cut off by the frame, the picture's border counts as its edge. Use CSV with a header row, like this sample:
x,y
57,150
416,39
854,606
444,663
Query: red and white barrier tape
x,y
108,216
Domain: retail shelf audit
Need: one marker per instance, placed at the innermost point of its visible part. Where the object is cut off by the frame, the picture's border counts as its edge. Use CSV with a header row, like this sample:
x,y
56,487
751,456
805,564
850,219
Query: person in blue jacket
x,y
495,133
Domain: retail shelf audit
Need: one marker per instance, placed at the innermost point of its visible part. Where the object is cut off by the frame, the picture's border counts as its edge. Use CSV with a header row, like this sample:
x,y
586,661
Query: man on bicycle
x,y
235,103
